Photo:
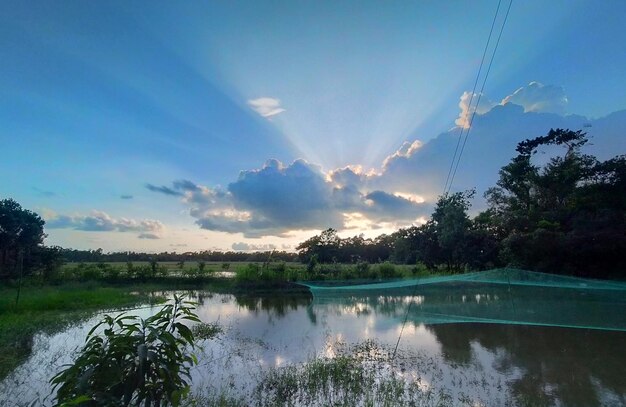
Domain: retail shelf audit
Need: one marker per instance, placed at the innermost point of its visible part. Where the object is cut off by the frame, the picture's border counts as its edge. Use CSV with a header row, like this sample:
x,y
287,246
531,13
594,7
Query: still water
x,y
514,356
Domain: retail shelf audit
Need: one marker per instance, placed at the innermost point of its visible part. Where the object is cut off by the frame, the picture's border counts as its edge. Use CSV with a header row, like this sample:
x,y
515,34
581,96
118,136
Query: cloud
x,y
490,146
277,199
164,190
44,193
535,97
126,197
148,236
477,99
266,107
407,149
247,247
99,221
185,185
178,188
539,98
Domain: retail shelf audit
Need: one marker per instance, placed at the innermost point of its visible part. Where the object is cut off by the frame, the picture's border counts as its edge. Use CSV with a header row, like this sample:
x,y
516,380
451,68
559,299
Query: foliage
x,y
50,308
133,361
566,216
77,256
21,233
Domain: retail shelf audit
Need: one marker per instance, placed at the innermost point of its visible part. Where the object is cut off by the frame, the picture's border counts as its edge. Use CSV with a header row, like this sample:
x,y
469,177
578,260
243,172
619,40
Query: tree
x,y
325,246
452,226
21,232
566,216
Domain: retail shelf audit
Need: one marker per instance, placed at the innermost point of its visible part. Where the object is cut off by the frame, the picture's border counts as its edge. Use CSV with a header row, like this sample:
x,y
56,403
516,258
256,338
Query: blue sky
x,y
100,100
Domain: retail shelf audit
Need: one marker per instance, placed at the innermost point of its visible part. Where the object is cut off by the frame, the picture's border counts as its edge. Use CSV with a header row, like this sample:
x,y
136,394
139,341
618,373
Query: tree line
x,y
565,216
76,256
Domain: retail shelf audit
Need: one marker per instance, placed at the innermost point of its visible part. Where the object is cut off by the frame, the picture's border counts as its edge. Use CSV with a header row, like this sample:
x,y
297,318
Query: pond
x,y
514,356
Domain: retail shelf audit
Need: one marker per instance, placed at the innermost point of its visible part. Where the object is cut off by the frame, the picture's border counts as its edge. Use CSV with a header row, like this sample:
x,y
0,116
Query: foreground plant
x,y
134,362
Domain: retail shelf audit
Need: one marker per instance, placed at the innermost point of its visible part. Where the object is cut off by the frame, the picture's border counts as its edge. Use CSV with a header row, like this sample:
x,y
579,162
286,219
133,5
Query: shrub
x,y
135,362
113,273
249,272
88,271
362,269
280,267
387,270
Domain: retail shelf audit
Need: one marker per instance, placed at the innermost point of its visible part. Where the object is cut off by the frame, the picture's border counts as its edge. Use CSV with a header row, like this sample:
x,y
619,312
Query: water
x,y
492,364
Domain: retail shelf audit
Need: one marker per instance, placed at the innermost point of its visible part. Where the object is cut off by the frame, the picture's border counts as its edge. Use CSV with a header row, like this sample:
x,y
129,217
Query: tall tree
x,y
21,232
567,216
452,225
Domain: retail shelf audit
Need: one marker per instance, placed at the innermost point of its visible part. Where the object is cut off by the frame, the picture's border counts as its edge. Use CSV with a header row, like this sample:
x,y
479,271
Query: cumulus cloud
x,y
277,199
539,98
99,221
250,247
266,107
407,149
535,97
492,143
479,104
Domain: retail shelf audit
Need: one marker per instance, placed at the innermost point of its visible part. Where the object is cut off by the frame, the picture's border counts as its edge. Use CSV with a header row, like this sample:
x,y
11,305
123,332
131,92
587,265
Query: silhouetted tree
x,y
567,216
21,232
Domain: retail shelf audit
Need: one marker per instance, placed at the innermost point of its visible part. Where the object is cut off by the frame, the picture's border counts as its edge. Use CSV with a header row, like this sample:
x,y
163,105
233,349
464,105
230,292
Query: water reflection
x,y
497,364
553,364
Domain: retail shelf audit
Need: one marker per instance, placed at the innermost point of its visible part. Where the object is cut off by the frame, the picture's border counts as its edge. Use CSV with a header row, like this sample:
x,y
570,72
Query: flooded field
x,y
447,357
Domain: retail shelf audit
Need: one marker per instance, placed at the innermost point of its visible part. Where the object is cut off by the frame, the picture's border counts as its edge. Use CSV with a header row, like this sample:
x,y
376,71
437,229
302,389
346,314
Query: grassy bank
x,y
49,309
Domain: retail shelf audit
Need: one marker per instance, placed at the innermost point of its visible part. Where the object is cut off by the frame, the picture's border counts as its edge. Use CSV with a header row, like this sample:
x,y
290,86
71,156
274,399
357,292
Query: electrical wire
x,y
482,60
482,88
450,178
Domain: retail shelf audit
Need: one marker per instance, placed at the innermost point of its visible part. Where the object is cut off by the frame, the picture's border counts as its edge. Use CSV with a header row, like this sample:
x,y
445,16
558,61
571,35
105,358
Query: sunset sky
x,y
164,126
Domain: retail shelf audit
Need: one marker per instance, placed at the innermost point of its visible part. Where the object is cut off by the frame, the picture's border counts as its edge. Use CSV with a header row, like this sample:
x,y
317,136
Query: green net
x,y
506,296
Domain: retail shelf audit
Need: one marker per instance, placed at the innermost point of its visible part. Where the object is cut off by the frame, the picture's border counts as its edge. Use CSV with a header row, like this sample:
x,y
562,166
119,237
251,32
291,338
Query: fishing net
x,y
506,296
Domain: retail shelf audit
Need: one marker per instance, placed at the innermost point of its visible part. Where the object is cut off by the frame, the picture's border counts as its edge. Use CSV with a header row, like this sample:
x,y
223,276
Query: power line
x,y
450,178
482,60
482,88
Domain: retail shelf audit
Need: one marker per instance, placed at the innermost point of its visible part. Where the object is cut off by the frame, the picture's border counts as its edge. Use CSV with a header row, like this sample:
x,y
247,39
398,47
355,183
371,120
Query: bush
x,y
249,272
362,269
88,271
280,267
135,362
387,270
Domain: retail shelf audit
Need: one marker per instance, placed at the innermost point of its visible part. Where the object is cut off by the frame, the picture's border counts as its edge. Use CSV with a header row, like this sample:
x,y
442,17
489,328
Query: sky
x,y
176,126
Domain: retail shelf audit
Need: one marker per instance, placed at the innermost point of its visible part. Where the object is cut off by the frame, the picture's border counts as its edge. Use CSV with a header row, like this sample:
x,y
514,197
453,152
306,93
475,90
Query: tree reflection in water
x,y
545,364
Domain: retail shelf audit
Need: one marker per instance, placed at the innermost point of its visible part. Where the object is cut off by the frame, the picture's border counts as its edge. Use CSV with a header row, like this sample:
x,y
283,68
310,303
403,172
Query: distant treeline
x,y
73,255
